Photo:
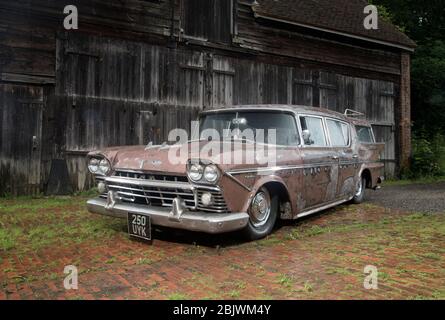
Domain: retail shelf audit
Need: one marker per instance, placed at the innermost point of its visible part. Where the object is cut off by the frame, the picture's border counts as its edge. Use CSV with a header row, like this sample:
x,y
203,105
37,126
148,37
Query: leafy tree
x,y
424,22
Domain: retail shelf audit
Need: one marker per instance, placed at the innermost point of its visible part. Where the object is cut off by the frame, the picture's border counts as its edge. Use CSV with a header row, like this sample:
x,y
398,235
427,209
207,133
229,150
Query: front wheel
x,y
359,196
263,212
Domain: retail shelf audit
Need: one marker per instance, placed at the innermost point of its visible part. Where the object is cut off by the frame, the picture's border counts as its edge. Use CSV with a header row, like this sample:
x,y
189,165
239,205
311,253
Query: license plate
x,y
139,226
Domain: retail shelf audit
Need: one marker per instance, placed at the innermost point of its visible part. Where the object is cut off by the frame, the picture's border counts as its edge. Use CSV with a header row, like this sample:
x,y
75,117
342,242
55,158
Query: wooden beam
x,y
26,78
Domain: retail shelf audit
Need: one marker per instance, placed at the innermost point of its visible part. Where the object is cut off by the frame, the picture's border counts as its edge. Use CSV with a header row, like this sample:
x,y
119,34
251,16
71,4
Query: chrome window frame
x,y
291,113
329,134
308,115
374,141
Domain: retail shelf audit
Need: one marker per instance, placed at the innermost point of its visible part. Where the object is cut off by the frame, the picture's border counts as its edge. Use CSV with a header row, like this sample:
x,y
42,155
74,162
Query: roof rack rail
x,y
353,114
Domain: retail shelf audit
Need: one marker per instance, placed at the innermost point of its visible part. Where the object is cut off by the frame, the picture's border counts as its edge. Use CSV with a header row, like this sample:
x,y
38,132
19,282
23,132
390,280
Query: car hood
x,y
166,158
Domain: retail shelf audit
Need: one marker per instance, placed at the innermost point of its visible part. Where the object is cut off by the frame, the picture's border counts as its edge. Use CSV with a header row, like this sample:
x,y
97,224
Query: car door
x,y
320,161
339,133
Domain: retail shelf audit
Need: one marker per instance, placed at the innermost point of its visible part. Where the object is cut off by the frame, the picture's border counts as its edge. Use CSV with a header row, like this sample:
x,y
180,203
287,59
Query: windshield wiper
x,y
243,140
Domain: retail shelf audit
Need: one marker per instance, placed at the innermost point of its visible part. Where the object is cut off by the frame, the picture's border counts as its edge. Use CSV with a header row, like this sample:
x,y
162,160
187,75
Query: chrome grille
x,y
153,190
160,190
150,176
218,204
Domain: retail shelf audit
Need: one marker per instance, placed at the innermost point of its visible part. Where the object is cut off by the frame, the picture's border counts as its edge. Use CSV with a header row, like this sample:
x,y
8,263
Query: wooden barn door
x,y
20,138
222,74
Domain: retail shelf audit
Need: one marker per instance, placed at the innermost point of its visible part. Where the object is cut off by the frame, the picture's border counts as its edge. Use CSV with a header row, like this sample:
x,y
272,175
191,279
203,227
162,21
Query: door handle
x,y
335,157
355,156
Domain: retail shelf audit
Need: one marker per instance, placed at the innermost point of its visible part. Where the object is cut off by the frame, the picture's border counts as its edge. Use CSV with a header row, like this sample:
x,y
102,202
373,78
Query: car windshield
x,y
261,127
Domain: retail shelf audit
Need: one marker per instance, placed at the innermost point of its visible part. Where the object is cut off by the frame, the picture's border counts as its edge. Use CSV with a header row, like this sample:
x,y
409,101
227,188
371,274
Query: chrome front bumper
x,y
173,217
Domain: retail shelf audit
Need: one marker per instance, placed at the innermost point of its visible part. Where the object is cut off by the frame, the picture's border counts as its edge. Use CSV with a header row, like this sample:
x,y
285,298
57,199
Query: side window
x,y
364,134
338,132
313,131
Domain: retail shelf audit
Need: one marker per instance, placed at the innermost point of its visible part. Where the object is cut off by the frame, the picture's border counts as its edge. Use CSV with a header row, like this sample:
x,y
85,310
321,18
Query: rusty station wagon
x,y
322,159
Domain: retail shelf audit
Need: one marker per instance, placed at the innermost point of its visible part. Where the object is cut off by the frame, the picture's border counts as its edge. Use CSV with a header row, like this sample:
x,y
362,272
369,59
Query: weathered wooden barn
x,y
135,69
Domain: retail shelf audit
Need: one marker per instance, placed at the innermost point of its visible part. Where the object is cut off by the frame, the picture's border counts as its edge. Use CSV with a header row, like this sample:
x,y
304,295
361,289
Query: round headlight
x,y
104,166
195,172
211,173
93,165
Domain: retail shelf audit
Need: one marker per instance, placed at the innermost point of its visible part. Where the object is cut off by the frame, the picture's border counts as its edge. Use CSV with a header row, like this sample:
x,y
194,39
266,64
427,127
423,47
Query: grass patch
x,y
25,204
407,182
308,287
439,294
302,232
339,271
144,261
425,224
8,238
41,223
177,296
285,280
270,241
432,256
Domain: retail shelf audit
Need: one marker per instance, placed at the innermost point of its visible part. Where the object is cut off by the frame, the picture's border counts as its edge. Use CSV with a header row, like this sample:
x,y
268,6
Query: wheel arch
x,y
275,186
366,173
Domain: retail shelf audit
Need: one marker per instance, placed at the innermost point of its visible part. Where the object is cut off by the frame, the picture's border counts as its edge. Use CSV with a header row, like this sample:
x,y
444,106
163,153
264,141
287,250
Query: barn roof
x,y
344,17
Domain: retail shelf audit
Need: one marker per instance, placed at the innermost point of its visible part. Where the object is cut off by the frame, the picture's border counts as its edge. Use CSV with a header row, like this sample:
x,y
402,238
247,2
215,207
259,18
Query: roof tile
x,y
345,16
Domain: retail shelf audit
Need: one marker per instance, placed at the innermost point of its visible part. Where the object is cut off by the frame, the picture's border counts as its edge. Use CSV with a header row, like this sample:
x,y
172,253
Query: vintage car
x,y
321,159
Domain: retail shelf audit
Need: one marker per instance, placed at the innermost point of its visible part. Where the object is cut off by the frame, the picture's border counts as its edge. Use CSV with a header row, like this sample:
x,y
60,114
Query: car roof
x,y
291,108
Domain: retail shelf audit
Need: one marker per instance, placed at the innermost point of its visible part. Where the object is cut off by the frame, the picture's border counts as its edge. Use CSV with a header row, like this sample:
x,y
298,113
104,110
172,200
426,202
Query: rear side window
x,y
338,132
364,134
313,132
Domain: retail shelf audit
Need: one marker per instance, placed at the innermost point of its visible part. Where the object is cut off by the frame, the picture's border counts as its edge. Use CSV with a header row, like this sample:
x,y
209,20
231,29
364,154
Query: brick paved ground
x,y
322,257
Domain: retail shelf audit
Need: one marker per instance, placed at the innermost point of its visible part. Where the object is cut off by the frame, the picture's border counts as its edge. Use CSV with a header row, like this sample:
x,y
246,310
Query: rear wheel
x,y
263,214
359,196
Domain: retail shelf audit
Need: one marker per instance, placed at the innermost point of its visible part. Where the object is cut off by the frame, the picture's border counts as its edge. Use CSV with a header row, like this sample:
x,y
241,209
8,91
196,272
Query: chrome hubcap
x,y
359,188
260,209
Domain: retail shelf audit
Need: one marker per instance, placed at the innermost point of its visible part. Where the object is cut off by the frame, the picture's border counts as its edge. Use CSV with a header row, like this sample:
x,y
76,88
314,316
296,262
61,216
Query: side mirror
x,y
307,137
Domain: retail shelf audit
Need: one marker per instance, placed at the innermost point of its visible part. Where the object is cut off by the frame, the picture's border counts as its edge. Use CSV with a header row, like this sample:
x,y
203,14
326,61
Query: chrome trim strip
x,y
230,175
149,183
112,186
303,166
149,173
154,197
325,207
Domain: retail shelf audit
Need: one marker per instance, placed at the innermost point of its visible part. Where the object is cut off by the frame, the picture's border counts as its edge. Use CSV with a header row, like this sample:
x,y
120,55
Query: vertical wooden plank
x,y
223,77
303,93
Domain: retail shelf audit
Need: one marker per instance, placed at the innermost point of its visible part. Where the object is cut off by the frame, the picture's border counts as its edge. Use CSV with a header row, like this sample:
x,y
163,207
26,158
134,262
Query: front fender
x,y
259,184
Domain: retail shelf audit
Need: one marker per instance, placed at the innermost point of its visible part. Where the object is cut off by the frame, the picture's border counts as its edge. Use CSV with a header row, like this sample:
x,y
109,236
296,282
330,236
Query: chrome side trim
x,y
303,166
230,175
325,207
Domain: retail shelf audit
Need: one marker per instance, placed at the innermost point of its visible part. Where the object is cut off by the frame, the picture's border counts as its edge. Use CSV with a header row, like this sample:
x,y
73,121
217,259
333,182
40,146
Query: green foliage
x,y
424,23
428,74
428,156
386,14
